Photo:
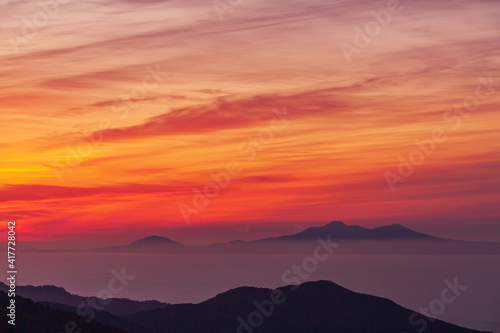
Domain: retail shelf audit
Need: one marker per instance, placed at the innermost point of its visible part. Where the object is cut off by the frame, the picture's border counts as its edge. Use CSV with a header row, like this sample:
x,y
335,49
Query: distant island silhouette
x,y
394,239
354,239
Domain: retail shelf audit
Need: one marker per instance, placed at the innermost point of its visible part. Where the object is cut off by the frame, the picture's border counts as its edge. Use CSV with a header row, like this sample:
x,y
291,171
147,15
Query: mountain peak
x,y
340,230
324,307
336,223
153,240
397,231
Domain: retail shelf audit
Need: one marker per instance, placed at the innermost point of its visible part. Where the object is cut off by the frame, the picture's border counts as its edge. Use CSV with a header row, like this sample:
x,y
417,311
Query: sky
x,y
211,121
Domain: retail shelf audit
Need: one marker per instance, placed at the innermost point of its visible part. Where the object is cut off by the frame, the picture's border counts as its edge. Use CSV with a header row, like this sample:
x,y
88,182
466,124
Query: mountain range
x,y
53,294
319,307
32,317
56,299
352,239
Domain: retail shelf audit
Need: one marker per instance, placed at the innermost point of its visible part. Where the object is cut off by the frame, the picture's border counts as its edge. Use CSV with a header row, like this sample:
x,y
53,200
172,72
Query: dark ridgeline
x,y
108,313
312,307
315,307
34,317
53,294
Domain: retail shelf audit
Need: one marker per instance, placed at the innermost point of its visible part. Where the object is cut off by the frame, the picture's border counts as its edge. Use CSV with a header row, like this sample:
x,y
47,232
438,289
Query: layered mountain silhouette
x,y
101,316
319,307
108,312
353,239
53,294
34,317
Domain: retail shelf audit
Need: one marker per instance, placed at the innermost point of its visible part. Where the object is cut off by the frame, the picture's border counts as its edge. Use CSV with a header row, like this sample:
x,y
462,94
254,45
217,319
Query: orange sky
x,y
170,93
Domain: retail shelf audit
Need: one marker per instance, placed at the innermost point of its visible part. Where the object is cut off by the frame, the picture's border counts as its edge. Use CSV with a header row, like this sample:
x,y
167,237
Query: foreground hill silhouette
x,y
319,307
390,239
34,317
53,294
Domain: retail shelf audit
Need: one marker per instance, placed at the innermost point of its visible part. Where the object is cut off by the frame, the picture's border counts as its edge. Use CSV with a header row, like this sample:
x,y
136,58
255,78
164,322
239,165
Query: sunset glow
x,y
115,114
